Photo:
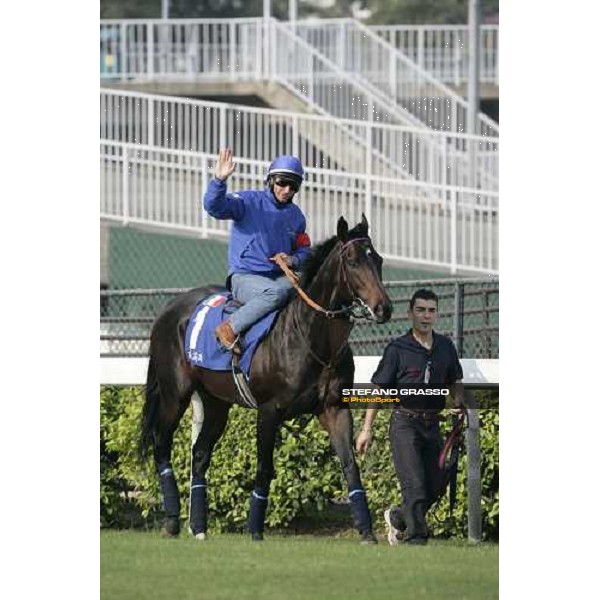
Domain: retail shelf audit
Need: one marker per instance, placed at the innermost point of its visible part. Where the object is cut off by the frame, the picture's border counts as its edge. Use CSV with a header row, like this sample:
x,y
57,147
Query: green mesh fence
x,y
467,309
141,260
138,259
143,270
468,313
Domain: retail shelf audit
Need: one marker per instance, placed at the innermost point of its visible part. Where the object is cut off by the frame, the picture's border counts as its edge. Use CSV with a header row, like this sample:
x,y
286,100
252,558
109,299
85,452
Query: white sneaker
x,y
392,532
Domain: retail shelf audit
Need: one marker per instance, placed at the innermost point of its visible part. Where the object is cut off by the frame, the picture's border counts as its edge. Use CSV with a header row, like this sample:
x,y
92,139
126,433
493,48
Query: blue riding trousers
x,y
260,295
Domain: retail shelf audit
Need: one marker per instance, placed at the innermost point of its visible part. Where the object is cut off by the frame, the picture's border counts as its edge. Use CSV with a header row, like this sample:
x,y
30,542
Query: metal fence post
x,y
125,187
151,122
453,231
472,433
421,50
267,41
222,126
295,136
473,476
486,325
232,52
341,46
369,161
123,58
459,321
150,57
204,185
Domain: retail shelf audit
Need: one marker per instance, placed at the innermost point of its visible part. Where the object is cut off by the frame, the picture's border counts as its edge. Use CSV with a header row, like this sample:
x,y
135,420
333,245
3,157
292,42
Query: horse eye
x,y
368,252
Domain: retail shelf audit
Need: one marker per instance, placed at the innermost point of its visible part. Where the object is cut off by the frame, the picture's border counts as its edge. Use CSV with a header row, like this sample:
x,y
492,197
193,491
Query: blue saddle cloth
x,y
201,345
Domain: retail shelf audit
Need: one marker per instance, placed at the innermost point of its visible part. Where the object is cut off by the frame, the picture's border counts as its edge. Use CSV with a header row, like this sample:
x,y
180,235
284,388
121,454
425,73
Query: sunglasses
x,y
284,182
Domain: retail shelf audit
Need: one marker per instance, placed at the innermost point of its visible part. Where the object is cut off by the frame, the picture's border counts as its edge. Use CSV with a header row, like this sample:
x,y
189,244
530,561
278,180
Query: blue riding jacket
x,y
262,227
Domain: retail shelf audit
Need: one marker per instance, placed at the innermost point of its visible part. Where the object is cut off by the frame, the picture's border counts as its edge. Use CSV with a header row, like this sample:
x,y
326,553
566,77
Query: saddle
x,y
201,346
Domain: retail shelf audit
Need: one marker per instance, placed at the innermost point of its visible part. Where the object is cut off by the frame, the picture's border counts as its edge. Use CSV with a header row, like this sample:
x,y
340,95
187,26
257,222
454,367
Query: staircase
x,y
362,53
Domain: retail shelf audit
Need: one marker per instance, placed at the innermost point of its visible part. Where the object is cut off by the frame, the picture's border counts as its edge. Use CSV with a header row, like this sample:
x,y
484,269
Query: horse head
x,y
361,277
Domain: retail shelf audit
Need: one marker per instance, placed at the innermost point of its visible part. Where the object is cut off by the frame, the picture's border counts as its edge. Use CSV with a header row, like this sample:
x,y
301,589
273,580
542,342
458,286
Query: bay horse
x,y
297,369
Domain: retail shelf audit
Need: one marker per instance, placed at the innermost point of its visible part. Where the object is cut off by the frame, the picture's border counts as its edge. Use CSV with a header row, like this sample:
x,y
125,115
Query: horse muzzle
x,y
383,312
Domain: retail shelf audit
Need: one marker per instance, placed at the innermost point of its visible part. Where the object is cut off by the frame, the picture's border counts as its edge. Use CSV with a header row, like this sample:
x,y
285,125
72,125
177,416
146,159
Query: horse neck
x,y
325,290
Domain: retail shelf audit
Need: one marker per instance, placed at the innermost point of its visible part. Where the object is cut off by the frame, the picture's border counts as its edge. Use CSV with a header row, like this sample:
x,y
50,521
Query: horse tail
x,y
150,410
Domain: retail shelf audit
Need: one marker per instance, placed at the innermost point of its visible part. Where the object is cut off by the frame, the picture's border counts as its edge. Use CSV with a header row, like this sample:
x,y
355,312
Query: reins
x,y
238,376
294,280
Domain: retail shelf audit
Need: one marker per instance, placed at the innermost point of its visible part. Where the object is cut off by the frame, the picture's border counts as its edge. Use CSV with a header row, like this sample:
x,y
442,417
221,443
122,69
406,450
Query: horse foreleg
x,y
209,418
267,423
338,423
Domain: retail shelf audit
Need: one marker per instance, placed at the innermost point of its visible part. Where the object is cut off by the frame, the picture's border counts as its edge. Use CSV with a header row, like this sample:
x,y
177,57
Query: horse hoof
x,y
170,528
368,539
257,537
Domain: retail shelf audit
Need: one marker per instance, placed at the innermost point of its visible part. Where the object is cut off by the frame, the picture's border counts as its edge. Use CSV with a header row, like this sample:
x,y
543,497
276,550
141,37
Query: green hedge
x,y
308,474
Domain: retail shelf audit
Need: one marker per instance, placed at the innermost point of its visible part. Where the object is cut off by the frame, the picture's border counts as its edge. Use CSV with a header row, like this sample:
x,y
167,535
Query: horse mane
x,y
319,253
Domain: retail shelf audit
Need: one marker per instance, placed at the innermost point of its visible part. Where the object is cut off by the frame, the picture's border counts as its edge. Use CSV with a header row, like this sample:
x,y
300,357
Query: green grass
x,y
143,566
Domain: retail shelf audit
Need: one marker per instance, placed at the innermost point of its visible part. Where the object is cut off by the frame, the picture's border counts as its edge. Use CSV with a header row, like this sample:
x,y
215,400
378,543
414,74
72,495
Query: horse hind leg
x,y
209,418
172,407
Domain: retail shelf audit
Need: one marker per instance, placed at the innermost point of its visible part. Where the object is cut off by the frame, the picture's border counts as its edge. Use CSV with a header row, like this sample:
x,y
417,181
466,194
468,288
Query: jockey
x,y
265,223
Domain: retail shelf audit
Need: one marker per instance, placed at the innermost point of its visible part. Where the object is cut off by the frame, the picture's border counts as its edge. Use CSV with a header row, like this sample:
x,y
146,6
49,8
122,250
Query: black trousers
x,y
416,445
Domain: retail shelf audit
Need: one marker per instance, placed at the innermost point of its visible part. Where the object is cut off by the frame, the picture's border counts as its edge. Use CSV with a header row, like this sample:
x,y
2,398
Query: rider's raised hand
x,y
225,165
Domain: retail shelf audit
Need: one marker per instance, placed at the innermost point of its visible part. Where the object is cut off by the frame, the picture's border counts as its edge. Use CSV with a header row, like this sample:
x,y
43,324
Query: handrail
x,y
376,97
398,74
442,50
160,188
234,50
345,144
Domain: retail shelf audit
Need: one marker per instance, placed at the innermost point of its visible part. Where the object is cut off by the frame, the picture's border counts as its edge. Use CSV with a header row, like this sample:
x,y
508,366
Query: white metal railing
x,y
214,49
362,53
233,48
443,50
182,49
250,49
442,226
346,93
325,142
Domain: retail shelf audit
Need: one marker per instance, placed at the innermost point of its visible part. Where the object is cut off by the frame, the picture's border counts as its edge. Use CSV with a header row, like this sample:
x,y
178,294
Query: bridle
x,y
358,308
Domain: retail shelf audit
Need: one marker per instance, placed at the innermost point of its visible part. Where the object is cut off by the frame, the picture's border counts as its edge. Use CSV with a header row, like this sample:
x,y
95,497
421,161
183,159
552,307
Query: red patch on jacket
x,y
302,241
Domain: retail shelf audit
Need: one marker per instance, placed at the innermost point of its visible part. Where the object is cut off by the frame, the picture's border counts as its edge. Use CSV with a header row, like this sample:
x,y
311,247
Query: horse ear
x,y
365,223
342,229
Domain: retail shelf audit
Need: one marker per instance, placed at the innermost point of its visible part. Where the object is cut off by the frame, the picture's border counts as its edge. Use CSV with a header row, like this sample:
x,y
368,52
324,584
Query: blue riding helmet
x,y
286,165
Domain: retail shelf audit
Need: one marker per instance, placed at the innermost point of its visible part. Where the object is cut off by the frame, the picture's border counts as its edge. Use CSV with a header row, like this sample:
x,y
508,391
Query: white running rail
x,y
441,226
443,50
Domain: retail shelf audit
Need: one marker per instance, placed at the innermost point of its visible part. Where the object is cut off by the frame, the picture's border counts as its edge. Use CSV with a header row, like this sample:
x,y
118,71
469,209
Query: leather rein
x,y
358,309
